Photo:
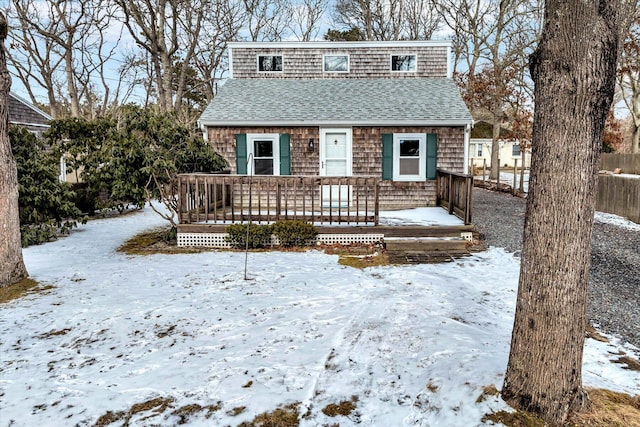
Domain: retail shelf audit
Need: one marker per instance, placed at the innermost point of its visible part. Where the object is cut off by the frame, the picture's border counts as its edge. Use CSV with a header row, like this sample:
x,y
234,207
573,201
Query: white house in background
x,y
480,147
480,151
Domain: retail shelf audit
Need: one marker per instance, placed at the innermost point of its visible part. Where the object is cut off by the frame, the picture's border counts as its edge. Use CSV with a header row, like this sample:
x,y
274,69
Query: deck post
x,y
469,203
515,174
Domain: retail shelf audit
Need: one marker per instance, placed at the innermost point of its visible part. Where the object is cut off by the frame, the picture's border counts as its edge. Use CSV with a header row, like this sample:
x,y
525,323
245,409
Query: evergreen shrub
x,y
294,233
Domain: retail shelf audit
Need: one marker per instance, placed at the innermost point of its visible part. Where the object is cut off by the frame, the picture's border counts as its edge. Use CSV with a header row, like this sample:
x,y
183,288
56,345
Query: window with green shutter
x,y
432,156
387,156
268,154
409,156
241,154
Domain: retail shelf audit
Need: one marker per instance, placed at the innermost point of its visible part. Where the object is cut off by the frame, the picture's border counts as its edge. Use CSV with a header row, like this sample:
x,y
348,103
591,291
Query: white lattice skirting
x,y
217,240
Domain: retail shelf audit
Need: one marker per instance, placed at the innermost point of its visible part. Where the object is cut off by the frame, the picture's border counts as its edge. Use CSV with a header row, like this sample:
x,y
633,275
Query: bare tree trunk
x,y
12,267
574,85
495,149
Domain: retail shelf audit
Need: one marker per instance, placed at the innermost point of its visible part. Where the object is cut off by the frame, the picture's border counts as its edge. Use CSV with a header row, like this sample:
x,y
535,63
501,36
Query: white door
x,y
335,160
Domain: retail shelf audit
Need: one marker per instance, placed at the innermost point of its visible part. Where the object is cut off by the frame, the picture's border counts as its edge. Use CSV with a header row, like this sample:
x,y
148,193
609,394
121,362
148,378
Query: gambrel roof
x,y
324,102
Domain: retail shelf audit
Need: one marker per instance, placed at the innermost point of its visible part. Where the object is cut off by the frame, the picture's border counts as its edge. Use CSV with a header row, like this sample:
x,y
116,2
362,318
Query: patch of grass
x,y
345,407
594,335
157,241
19,289
157,405
185,412
287,416
433,388
357,256
515,419
489,390
236,411
54,333
607,409
632,364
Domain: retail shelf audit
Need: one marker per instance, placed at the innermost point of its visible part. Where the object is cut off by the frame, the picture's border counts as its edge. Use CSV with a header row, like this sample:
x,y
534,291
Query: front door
x,y
335,160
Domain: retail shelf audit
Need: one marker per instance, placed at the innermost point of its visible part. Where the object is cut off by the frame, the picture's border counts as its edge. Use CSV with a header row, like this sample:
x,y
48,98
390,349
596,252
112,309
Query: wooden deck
x,y
344,209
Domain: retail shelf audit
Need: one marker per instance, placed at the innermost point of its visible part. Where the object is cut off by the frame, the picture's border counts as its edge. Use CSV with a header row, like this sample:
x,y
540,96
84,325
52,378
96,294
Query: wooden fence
x,y
455,193
627,163
619,195
205,198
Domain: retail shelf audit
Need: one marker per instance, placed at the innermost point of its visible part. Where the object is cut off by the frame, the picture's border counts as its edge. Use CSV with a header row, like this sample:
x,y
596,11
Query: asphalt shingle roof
x,y
433,101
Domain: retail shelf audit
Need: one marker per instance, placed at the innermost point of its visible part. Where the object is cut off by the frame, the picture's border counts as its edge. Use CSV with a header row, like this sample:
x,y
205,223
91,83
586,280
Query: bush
x,y
294,233
129,156
259,235
46,205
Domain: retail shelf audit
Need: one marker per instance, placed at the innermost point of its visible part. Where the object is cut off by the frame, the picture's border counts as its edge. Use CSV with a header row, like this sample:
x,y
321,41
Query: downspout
x,y
467,147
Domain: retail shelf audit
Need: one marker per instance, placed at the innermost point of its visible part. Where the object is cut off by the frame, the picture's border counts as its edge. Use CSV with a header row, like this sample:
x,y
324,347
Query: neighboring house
x,y
23,113
384,109
481,145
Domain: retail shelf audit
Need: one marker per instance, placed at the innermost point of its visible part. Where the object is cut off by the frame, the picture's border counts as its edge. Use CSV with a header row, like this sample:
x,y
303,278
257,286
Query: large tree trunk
x,y
12,267
573,70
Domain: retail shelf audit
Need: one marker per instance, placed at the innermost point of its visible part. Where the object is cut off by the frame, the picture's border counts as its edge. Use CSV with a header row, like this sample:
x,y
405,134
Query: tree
x,y
388,19
61,46
629,79
574,86
12,268
305,18
168,30
491,42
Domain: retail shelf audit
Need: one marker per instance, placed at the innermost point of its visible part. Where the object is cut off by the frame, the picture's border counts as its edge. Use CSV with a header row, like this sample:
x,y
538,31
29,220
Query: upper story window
x,y
335,64
404,63
270,63
479,148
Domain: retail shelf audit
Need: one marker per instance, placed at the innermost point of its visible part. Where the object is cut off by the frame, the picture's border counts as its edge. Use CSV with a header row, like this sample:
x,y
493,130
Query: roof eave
x,y
344,123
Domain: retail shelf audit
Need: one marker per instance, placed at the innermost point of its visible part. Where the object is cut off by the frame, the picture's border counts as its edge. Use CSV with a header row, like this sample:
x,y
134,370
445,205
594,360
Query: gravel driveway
x,y
614,282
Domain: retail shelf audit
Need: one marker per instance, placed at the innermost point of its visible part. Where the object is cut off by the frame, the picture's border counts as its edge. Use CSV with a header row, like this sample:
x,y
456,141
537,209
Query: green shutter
x,y
432,155
285,154
241,153
387,156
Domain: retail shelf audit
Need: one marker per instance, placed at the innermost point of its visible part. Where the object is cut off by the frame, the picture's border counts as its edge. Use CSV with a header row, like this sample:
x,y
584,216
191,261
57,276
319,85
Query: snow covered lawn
x,y
406,345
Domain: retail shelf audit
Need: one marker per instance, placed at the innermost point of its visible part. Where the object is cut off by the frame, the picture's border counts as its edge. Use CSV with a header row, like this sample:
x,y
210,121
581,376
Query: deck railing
x,y
210,198
455,193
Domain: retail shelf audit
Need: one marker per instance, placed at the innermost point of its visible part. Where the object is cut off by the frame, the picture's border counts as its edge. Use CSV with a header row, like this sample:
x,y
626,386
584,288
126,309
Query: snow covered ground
x,y
407,345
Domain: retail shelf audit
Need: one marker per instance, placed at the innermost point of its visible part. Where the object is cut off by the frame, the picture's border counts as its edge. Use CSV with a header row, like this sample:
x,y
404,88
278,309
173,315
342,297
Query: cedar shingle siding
x,y
307,63
367,156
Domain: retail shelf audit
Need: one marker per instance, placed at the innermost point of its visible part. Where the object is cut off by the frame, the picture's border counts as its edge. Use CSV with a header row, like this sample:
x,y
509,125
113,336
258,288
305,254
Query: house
x,y
481,145
388,110
23,113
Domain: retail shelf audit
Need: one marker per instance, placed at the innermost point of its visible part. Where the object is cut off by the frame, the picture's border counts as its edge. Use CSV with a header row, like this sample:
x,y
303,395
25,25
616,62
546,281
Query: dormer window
x,y
404,63
335,63
270,63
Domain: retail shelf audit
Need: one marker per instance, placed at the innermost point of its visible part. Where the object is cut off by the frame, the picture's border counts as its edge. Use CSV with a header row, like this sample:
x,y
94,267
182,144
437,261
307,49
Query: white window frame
x,y
324,68
519,150
275,139
403,54
422,158
269,71
479,149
